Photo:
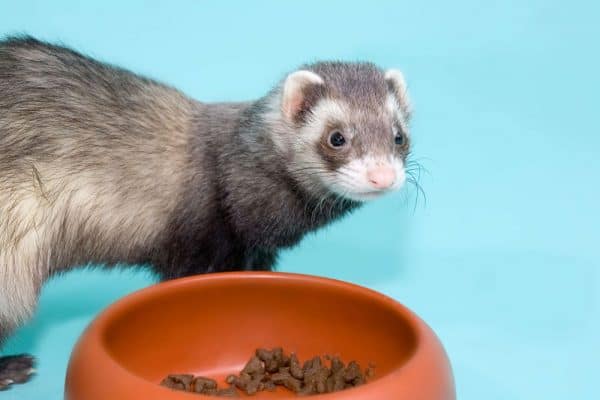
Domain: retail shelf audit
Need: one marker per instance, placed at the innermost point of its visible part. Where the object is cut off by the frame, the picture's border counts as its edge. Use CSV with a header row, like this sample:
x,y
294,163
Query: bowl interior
x,y
211,327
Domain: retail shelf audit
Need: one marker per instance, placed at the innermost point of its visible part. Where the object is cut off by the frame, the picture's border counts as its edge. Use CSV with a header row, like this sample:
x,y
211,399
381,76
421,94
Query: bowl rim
x,y
423,335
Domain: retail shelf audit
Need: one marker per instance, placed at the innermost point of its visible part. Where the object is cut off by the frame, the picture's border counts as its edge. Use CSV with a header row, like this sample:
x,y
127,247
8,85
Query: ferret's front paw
x,y
15,369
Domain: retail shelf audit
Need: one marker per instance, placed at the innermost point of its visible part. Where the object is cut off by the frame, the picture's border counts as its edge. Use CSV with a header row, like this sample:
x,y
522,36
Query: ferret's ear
x,y
397,86
301,90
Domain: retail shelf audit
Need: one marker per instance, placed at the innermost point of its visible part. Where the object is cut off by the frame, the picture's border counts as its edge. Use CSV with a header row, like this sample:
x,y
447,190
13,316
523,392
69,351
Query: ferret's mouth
x,y
363,196
372,192
354,185
360,194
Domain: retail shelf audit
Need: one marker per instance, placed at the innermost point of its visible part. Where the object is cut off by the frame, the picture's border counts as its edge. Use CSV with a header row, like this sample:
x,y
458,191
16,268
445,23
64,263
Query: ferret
x,y
101,166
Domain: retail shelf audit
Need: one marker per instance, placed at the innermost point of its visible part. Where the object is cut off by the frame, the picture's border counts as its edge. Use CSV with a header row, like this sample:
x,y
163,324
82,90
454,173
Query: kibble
x,y
178,382
268,369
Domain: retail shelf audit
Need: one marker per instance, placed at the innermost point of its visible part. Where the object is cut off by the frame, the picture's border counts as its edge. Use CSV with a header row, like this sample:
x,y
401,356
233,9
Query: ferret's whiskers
x,y
413,170
419,191
328,203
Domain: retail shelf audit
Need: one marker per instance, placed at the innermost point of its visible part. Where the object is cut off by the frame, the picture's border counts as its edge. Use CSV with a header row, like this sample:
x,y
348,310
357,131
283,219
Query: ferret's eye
x,y
399,139
336,139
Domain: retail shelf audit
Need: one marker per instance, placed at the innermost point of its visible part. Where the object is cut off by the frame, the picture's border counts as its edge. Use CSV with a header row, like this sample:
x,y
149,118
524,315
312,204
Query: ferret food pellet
x,y
268,369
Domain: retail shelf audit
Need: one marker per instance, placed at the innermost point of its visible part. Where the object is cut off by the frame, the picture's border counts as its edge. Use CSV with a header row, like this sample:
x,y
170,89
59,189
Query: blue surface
x,y
503,260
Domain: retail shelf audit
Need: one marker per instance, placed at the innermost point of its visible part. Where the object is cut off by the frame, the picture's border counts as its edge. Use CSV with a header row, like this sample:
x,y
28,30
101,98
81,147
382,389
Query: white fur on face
x,y
325,110
310,133
395,110
307,164
301,147
351,180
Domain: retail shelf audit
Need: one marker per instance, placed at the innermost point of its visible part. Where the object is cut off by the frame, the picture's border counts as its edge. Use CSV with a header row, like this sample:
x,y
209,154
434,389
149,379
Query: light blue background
x,y
503,260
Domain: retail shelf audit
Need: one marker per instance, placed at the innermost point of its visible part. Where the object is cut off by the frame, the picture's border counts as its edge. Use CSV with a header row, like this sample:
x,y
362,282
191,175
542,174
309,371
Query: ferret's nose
x,y
382,177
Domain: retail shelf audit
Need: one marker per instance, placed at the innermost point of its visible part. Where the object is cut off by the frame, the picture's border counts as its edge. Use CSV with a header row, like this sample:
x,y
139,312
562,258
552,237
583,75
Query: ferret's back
x,y
88,152
48,86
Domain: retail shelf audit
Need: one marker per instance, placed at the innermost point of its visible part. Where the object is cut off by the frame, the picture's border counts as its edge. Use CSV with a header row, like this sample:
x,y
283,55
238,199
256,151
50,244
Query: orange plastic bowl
x,y
210,325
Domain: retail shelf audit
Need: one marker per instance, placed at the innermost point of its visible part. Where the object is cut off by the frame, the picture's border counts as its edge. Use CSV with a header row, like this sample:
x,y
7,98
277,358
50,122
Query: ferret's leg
x,y
261,260
18,299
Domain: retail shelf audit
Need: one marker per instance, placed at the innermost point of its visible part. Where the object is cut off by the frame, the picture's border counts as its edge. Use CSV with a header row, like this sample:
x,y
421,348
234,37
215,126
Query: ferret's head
x,y
344,128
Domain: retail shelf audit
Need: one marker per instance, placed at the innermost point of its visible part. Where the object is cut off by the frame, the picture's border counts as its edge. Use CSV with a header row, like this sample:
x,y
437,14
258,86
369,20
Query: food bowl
x,y
211,324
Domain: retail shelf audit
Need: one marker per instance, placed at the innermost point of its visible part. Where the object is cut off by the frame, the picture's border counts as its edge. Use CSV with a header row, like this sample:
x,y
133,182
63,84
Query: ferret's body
x,y
98,165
